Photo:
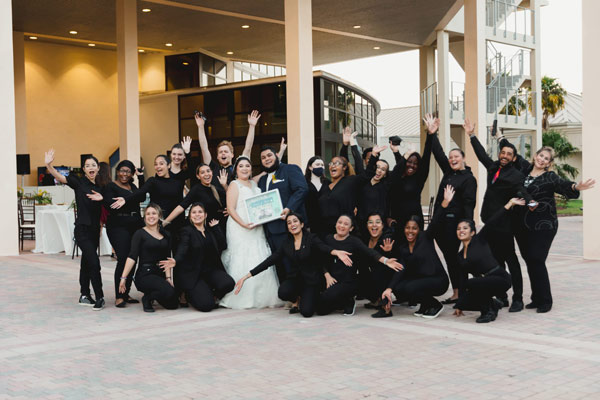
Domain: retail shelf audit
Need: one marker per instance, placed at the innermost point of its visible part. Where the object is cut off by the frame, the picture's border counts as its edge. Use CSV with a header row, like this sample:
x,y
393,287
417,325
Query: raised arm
x,y
206,157
269,261
469,197
500,214
423,169
480,152
570,189
372,164
49,159
253,118
282,148
375,256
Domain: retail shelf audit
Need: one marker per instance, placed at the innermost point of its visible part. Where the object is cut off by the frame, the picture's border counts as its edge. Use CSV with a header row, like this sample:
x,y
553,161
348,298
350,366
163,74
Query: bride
x,y
246,245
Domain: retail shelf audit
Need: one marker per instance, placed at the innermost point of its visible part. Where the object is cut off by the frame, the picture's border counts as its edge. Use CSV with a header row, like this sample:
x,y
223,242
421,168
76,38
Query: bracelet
x,y
385,260
123,277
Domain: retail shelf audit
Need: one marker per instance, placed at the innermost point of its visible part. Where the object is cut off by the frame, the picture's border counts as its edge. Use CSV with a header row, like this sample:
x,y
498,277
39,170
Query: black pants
x,y
276,240
421,290
502,245
291,289
336,296
535,246
380,280
478,292
88,239
213,283
449,244
156,287
120,240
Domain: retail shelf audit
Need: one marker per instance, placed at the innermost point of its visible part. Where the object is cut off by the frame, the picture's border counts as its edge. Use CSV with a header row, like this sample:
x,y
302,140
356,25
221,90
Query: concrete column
x,y
591,140
536,73
20,98
443,85
9,236
127,70
230,74
299,81
426,78
475,87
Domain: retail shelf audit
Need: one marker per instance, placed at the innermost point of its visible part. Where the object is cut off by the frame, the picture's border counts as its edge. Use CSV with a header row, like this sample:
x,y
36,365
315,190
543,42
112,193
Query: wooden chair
x,y
26,211
427,216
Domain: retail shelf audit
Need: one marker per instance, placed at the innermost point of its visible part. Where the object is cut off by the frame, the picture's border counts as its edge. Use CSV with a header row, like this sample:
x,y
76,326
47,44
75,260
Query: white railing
x,y
457,100
504,15
509,73
518,103
429,100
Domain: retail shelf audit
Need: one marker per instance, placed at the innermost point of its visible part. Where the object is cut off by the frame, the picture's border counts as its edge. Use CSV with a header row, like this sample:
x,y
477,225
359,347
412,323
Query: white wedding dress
x,y
246,248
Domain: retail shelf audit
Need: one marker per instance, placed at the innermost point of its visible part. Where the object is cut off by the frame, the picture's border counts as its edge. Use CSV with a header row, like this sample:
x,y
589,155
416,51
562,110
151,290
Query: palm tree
x,y
553,99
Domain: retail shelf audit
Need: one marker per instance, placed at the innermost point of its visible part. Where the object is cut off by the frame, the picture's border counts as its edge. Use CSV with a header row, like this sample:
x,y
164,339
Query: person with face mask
x,y
316,181
292,187
504,182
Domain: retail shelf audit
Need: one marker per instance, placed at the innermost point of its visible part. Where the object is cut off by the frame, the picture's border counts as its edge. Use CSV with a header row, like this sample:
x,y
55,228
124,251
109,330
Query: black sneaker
x,y
420,311
382,314
531,306
147,304
497,305
503,300
99,305
486,317
86,300
294,310
516,306
433,312
544,308
350,307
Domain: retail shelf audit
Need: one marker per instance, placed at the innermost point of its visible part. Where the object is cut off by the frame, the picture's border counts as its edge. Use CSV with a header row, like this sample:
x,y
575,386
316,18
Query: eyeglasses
x,y
125,171
336,163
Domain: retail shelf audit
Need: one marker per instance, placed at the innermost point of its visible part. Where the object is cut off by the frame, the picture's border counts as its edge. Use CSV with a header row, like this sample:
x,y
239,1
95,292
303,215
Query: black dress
x,y
305,277
313,212
87,234
121,224
149,277
199,272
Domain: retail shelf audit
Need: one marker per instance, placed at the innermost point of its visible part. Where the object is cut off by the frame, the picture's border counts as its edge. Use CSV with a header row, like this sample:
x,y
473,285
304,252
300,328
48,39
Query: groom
x,y
290,182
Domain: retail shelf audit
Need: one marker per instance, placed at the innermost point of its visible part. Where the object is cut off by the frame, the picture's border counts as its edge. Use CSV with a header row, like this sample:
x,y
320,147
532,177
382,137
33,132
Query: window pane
x,y
329,119
277,71
342,121
263,68
358,105
220,69
181,71
359,127
237,75
187,105
245,76
240,125
272,123
350,101
365,125
283,71
341,98
270,70
328,94
219,127
208,64
219,81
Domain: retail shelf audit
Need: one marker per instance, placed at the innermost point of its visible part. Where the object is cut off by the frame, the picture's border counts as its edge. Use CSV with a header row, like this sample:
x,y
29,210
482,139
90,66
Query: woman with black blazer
x,y
151,249
199,273
316,181
305,251
535,228
121,224
423,276
459,176
476,258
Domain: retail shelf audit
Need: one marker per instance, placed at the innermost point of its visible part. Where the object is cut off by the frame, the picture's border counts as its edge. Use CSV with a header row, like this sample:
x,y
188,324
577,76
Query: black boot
x,y
516,306
147,304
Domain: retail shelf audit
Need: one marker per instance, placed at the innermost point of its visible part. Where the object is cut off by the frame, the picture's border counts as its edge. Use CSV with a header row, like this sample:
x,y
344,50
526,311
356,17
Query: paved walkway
x,y
52,348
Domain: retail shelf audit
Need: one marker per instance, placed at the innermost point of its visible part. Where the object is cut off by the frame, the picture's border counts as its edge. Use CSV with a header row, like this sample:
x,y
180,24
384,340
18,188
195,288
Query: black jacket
x,y
306,262
463,182
507,185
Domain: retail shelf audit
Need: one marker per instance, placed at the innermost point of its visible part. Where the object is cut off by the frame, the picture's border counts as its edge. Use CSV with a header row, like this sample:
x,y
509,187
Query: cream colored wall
x,y
71,102
151,72
159,127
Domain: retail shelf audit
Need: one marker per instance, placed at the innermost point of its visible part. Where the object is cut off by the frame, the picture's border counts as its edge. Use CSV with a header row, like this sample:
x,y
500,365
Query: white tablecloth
x,y
54,226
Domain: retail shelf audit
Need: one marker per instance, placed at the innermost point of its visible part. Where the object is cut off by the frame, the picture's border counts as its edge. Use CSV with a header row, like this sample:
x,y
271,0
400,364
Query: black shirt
x,y
373,198
88,211
463,182
129,214
405,190
149,249
359,250
166,192
306,262
313,213
204,194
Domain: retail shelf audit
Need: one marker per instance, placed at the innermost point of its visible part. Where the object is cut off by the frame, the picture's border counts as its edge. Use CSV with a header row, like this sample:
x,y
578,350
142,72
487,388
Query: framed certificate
x,y
264,207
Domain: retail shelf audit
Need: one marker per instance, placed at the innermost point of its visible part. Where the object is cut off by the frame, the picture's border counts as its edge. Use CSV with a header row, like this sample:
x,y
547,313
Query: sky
x,y
393,79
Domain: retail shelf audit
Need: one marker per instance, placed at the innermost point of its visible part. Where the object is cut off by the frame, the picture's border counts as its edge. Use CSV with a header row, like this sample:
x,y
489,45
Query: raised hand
x,y
222,178
585,185
395,265
329,280
253,118
394,148
346,135
448,195
95,196
282,148
118,203
186,143
353,141
49,157
213,222
387,245
432,123
344,257
139,171
199,120
469,127
378,149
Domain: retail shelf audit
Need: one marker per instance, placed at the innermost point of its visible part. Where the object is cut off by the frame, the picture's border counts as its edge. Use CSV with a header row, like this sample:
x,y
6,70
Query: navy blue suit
x,y
290,182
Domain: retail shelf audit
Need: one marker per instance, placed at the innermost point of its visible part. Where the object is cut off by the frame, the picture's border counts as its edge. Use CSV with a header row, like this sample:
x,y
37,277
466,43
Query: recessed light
x,y
185,63
356,26
92,44
376,48
146,10
245,26
230,52
169,44
73,32
33,37
141,50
